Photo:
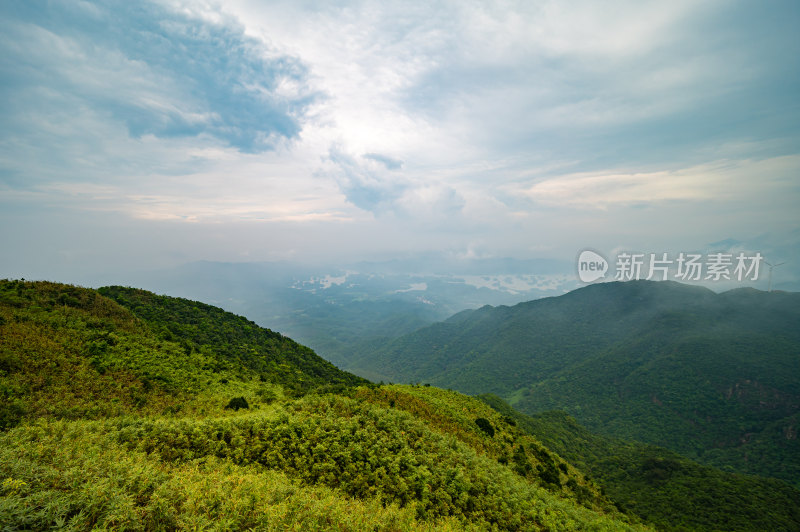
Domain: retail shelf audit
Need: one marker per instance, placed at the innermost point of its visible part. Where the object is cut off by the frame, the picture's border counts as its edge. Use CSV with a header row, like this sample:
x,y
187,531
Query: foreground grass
x,y
74,476
355,467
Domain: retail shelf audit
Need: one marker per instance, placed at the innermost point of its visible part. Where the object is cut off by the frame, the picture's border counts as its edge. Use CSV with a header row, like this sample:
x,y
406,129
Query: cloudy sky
x,y
149,134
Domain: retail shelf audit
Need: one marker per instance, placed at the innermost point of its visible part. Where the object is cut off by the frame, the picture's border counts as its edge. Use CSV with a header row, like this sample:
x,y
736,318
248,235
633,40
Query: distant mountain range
x,y
339,308
332,309
715,377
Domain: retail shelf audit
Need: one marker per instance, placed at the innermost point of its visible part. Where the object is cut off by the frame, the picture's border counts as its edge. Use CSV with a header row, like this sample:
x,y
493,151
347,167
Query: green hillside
x,y
667,490
69,352
145,412
715,377
234,341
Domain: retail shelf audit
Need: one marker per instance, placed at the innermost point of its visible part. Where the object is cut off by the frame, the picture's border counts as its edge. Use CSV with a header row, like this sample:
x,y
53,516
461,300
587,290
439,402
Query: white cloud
x,y
719,181
516,128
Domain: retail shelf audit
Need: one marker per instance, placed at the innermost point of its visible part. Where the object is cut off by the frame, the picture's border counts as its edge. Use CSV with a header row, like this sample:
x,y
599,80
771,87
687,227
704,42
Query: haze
x,y
147,135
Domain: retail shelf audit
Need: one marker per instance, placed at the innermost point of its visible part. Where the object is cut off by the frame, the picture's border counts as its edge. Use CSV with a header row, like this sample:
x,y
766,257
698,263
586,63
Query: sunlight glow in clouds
x,y
718,181
399,127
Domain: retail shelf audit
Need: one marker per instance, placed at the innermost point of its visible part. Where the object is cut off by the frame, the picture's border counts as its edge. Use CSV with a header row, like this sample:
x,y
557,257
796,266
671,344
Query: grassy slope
x,y
116,418
69,352
499,438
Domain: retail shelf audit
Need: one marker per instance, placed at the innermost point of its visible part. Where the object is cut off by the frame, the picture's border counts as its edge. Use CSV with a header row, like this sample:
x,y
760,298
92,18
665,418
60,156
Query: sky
x,y
138,135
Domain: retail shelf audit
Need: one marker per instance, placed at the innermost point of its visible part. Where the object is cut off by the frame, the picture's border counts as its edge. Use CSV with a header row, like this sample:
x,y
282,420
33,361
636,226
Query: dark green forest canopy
x,y
715,377
234,340
666,489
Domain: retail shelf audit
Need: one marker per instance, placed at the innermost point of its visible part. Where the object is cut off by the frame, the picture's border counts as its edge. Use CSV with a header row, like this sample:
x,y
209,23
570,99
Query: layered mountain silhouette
x,y
715,377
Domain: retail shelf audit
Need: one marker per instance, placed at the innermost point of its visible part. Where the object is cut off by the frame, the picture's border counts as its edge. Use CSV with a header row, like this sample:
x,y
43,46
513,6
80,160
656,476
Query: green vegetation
x,y
126,410
68,352
76,476
715,377
234,341
454,414
665,489
485,425
71,353
145,412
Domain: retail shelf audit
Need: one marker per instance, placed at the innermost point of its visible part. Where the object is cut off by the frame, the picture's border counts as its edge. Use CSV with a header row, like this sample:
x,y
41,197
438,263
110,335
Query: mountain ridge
x,y
680,366
164,413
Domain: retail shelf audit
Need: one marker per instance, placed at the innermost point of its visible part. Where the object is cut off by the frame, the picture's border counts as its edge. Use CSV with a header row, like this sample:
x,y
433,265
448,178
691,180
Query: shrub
x,y
236,403
485,425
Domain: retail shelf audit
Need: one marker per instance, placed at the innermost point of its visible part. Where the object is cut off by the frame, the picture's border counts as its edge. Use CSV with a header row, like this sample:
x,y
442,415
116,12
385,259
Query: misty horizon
x,y
143,138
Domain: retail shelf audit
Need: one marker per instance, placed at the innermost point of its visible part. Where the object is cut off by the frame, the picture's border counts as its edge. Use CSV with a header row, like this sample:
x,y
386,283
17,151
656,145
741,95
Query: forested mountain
x,y
234,341
666,489
70,352
715,377
126,410
169,414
